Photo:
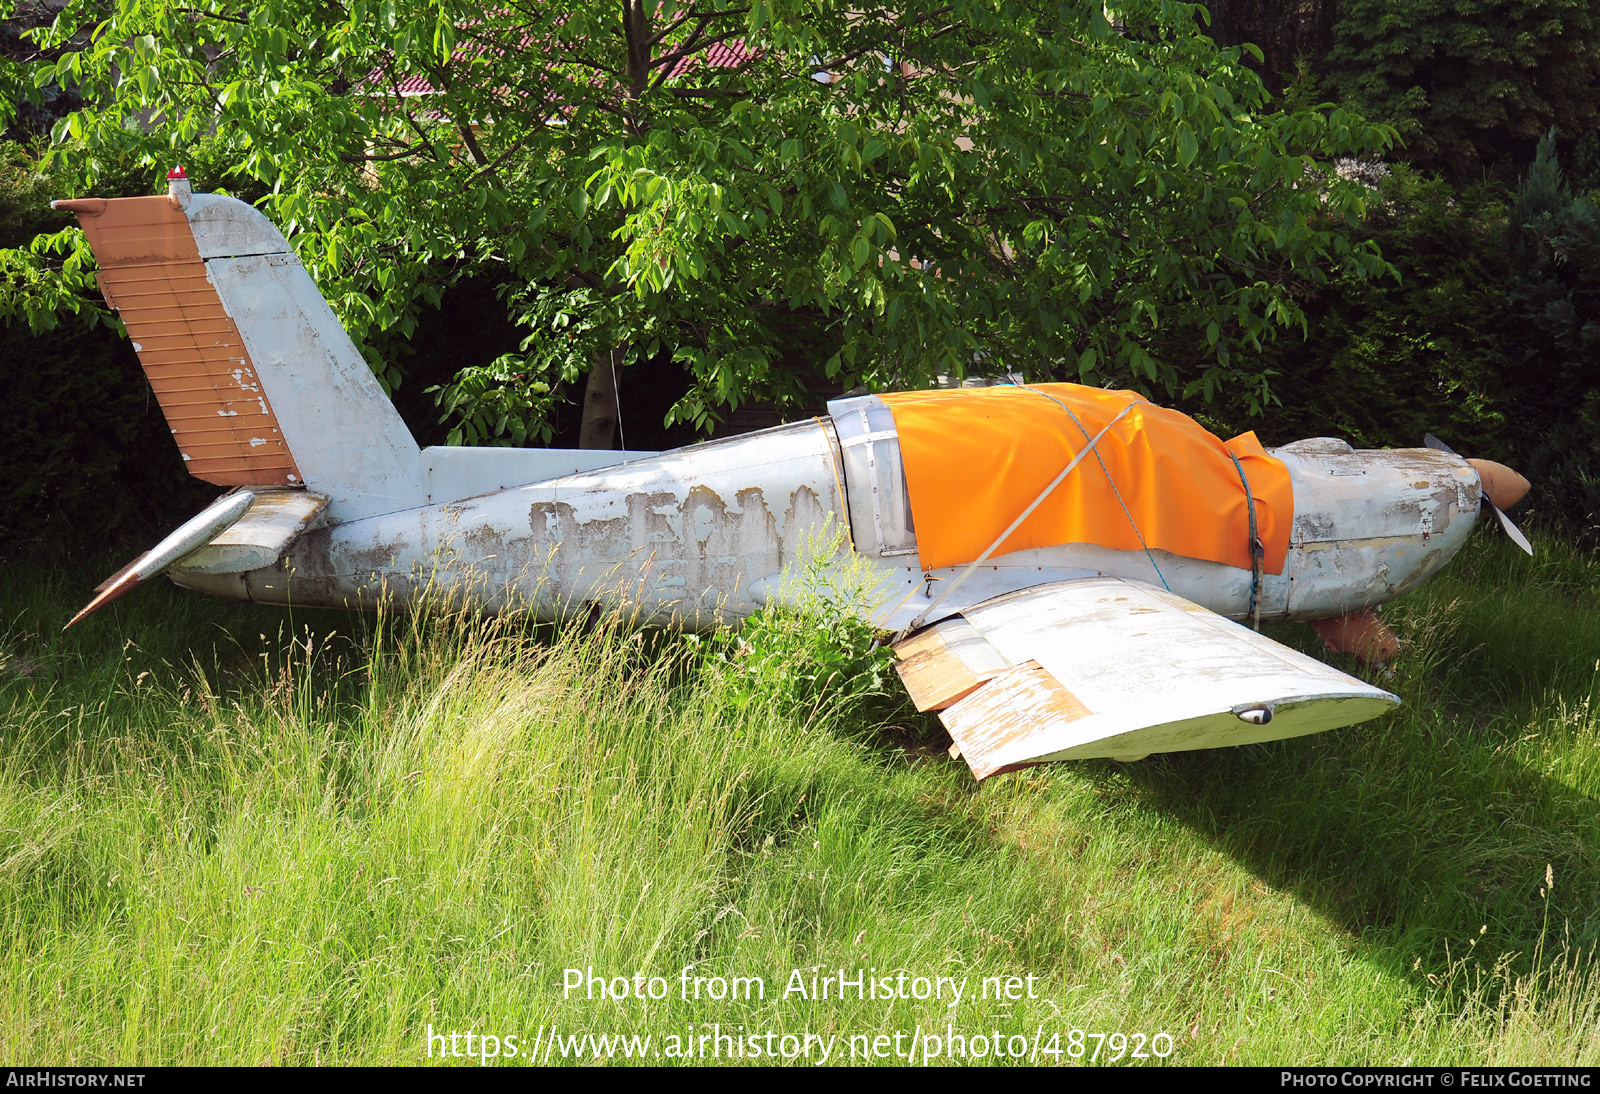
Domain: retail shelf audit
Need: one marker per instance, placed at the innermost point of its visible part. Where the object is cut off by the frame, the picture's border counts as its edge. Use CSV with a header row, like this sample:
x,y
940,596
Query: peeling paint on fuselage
x,y
699,536
685,537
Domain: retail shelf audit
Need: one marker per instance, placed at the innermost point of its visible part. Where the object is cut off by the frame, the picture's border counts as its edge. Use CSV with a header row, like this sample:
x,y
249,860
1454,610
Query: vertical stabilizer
x,y
257,378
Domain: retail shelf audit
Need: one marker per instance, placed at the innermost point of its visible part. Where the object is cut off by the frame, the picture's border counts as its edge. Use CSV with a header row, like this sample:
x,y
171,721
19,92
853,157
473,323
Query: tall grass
x,y
228,835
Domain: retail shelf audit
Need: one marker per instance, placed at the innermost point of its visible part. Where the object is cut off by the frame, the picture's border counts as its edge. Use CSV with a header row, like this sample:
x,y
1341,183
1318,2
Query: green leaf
x,y
1188,146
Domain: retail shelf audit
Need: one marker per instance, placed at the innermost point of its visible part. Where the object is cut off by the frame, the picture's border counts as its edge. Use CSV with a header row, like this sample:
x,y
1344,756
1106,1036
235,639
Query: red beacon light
x,y
178,191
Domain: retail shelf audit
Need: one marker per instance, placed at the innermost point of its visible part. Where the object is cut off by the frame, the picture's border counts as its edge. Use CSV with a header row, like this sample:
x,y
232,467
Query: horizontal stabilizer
x,y
189,537
122,573
1113,668
262,536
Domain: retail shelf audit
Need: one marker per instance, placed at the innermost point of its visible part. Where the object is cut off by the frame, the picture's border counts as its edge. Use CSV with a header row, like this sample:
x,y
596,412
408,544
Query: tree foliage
x,y
1291,34
26,107
1470,84
1555,359
906,191
1392,359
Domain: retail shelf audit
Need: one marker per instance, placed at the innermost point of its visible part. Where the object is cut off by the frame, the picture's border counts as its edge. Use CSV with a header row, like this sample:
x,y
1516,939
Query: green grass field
x,y
234,835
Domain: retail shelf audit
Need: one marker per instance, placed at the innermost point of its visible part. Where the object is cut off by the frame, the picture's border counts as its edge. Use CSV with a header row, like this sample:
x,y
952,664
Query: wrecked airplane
x,y
1067,571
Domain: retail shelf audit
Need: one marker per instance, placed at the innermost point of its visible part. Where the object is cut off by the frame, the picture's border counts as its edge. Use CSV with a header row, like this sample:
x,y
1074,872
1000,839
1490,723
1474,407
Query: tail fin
x,y
258,380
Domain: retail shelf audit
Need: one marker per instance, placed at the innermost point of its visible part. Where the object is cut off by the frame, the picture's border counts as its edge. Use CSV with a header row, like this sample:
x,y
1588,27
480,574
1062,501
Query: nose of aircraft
x,y
1504,486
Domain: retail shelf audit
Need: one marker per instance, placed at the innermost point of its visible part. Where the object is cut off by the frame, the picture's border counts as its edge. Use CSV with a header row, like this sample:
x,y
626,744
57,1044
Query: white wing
x,y
1107,667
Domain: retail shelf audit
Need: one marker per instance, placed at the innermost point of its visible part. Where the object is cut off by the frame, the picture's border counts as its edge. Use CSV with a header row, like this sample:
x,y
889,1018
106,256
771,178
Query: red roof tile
x,y
732,53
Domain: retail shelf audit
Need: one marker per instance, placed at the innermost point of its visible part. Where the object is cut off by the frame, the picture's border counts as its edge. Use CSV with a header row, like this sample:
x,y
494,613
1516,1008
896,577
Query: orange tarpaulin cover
x,y
975,458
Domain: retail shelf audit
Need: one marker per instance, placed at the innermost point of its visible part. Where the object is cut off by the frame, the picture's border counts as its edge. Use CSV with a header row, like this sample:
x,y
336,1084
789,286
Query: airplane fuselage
x,y
702,535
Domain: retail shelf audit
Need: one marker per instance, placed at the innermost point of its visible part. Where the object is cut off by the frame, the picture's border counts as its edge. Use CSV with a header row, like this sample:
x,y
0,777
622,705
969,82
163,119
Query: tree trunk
x,y
599,425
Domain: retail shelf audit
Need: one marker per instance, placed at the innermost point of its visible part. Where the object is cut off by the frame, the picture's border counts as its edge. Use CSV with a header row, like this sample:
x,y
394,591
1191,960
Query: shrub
x,y
1385,362
1470,86
1554,360
812,651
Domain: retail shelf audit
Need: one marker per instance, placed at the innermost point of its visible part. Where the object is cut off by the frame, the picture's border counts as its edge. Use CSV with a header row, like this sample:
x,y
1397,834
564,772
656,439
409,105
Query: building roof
x,y
732,53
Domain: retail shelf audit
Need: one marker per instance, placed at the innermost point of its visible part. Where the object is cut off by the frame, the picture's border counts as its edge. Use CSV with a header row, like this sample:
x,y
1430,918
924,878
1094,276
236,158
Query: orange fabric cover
x,y
975,458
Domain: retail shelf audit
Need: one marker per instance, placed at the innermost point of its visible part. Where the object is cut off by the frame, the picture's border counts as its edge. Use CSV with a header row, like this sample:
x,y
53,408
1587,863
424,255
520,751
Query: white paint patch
x,y
779,517
674,517
257,442
704,519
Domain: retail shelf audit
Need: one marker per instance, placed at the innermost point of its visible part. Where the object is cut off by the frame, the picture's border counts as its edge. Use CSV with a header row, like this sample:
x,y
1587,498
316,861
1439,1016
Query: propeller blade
x,y
1434,442
1511,529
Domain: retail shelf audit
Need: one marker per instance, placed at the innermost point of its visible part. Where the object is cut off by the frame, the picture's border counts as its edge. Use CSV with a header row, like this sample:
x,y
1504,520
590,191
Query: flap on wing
x,y
1108,667
261,537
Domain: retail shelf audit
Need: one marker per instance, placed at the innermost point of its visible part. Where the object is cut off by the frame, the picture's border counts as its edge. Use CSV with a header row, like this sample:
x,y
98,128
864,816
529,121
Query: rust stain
x,y
1012,707
152,273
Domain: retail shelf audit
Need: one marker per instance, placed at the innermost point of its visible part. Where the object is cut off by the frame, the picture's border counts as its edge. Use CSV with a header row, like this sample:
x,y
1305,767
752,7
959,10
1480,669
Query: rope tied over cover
x,y
1258,550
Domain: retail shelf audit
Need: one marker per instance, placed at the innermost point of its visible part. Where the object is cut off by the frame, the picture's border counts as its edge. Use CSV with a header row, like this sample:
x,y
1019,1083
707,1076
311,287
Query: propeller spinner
x,y
1502,488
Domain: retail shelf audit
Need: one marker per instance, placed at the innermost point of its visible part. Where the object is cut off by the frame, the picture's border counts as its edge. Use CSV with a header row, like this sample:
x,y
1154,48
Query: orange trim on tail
x,y
152,273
